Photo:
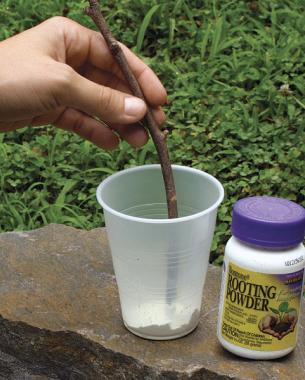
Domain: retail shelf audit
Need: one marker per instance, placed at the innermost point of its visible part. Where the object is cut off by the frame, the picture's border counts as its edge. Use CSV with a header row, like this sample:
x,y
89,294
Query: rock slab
x,y
60,319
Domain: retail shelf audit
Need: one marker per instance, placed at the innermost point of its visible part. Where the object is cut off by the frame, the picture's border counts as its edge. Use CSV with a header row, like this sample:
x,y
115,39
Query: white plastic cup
x,y
160,264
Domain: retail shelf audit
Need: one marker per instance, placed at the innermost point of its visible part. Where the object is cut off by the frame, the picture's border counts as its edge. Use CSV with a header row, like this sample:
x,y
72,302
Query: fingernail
x,y
134,106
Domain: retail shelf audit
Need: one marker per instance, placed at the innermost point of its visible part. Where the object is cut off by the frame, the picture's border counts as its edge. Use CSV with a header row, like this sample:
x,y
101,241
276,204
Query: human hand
x,y
271,324
62,73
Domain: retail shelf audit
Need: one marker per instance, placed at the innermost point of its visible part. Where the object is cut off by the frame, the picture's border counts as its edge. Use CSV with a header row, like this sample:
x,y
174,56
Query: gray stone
x,y
60,319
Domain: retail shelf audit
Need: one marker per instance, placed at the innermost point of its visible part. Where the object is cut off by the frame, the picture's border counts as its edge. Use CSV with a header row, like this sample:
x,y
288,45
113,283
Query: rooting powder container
x,y
262,279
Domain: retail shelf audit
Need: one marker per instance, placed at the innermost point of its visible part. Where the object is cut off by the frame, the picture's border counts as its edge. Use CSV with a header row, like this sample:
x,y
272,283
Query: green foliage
x,y
282,310
234,71
144,26
18,15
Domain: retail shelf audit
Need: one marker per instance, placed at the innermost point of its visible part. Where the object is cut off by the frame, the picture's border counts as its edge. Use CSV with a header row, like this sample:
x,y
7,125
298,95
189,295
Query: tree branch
x,y
159,137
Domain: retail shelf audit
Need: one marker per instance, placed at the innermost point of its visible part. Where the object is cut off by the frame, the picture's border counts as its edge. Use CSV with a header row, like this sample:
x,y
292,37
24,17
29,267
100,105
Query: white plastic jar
x,y
262,281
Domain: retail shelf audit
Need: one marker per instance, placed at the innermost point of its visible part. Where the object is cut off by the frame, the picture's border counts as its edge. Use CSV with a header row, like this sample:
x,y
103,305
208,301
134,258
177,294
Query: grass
x,y
234,71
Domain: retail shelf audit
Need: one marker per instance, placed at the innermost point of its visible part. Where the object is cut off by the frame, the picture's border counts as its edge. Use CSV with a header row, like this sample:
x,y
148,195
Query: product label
x,y
261,311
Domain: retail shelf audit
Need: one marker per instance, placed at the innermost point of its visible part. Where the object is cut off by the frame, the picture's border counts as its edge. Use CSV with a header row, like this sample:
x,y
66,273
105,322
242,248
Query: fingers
x,y
159,115
87,128
13,125
101,77
110,105
84,45
136,135
153,90
99,134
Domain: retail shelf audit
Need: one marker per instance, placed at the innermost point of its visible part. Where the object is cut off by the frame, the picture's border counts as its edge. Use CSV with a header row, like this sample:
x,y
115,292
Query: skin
x,y
62,73
265,325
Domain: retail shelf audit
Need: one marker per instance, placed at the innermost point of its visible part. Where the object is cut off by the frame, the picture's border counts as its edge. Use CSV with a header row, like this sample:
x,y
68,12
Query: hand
x,y
271,324
62,73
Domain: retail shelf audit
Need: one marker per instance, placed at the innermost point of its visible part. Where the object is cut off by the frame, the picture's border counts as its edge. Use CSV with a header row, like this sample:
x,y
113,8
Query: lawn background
x,y
234,71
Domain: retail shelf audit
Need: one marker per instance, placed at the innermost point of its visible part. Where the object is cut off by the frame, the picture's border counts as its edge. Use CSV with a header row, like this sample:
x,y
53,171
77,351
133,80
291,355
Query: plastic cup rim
x,y
159,221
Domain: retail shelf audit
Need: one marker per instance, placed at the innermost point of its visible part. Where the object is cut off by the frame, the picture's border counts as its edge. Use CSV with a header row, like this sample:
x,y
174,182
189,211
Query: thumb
x,y
109,105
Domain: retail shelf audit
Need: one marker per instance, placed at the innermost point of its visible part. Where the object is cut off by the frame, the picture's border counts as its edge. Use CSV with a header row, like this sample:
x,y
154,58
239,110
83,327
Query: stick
x,y
159,137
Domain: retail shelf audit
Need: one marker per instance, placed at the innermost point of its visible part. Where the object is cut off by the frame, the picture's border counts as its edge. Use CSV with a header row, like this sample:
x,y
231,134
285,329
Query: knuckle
x,y
66,76
60,27
107,98
67,73
77,123
58,21
62,80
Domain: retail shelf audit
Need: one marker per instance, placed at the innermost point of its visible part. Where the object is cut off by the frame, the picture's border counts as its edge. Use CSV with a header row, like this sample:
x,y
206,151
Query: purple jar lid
x,y
268,222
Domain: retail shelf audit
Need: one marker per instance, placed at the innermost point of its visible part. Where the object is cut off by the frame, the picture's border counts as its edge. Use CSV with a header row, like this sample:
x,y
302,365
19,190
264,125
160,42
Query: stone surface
x,y
61,319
